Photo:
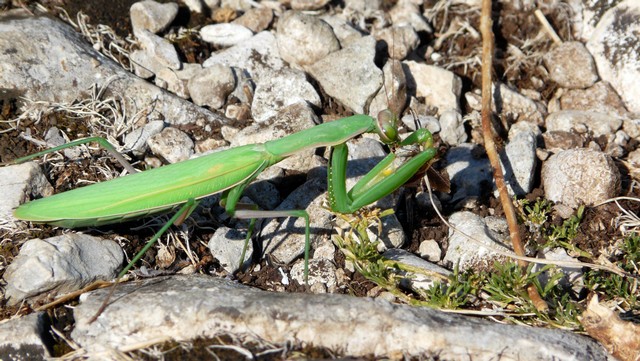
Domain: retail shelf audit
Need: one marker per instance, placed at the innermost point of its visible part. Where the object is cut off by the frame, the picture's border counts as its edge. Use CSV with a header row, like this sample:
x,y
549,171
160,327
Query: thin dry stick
x,y
492,153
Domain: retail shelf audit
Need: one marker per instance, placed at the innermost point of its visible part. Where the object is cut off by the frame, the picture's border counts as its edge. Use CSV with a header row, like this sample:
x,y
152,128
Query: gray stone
x,y
176,81
308,5
519,163
304,39
407,12
325,250
631,127
440,88
264,194
25,338
159,49
350,75
279,89
256,19
171,144
225,34
467,253
257,55
452,129
580,176
584,19
425,273
469,174
524,127
557,140
343,30
197,6
54,137
321,272
152,16
634,158
284,238
237,5
189,307
579,121
136,141
226,246
411,259
363,6
19,183
65,69
212,85
615,45
571,65
430,250
509,102
143,63
60,264
400,40
212,4
600,98
244,90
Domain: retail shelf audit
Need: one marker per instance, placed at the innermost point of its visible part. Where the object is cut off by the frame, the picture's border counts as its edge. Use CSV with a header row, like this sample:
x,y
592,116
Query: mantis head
x,y
387,123
388,131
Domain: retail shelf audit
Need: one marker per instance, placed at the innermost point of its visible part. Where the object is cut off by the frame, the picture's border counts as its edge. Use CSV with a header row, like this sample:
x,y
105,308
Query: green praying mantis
x,y
181,185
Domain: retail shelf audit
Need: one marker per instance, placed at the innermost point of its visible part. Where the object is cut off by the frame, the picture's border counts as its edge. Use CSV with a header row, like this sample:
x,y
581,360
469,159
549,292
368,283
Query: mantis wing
x,y
148,192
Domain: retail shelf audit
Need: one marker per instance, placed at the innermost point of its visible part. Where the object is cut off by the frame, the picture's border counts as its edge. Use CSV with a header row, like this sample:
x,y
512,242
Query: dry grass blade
x,y
628,222
73,295
547,27
103,38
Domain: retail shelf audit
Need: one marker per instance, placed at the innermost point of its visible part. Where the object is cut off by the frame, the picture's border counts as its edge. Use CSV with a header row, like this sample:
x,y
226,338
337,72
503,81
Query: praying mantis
x,y
181,185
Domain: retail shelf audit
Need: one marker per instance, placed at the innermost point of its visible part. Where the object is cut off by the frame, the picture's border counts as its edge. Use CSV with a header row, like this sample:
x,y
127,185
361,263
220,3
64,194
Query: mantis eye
x,y
388,126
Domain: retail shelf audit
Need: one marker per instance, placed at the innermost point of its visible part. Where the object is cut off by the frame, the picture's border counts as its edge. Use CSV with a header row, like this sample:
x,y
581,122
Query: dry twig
x,y
492,153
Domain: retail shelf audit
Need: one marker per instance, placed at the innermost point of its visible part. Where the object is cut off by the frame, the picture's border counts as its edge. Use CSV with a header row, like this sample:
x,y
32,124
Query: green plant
x,y
624,290
359,249
561,236
507,285
456,292
534,214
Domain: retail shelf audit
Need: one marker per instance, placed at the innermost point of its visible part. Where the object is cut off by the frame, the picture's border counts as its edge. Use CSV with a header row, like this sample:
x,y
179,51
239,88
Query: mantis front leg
x,y
382,180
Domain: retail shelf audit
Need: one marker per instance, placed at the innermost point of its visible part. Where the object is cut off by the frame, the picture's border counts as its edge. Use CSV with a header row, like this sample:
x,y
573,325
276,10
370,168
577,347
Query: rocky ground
x,y
167,82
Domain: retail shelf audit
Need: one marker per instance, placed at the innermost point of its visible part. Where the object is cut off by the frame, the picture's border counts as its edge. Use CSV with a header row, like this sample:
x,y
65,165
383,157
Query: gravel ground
x,y
565,118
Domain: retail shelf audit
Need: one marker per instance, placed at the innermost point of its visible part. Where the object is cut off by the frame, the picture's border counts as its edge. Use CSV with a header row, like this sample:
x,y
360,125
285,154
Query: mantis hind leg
x,y
182,214
177,218
101,141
